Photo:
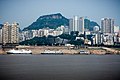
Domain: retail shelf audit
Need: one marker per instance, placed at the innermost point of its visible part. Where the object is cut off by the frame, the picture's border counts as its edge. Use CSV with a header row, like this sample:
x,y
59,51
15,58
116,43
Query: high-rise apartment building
x,y
81,25
70,25
14,33
6,33
0,34
76,24
107,25
10,33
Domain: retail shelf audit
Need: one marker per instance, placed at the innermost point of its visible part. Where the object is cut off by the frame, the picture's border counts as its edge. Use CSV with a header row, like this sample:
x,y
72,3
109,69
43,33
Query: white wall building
x,y
26,35
0,35
81,25
35,33
108,39
10,33
96,28
107,25
116,29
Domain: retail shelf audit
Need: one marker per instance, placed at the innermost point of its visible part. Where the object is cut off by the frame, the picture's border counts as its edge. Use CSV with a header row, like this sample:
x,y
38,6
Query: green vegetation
x,y
39,41
90,24
117,49
86,23
54,40
52,21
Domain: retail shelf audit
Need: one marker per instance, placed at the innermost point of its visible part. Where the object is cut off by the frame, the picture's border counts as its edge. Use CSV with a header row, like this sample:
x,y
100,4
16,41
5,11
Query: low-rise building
x,y
26,35
108,39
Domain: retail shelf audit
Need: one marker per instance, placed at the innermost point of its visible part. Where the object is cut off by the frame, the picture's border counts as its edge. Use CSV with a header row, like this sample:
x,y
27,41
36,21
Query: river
x,y
59,67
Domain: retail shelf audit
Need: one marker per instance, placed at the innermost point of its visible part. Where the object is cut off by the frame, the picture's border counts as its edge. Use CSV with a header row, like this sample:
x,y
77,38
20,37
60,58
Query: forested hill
x,y
52,21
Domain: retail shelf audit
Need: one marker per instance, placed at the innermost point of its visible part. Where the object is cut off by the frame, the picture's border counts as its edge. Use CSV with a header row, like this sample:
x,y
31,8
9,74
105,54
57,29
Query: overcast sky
x,y
27,11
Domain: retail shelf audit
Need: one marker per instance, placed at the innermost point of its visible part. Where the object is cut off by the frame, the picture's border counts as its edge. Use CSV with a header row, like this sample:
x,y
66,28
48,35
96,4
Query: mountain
x,y
86,23
90,24
1,26
52,21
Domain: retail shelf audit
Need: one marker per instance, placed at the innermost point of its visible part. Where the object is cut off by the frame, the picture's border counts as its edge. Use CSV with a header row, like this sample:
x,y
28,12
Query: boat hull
x,y
17,53
52,53
22,51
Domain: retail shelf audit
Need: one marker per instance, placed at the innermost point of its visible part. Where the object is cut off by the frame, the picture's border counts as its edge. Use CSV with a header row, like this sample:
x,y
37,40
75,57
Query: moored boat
x,y
54,52
84,52
21,51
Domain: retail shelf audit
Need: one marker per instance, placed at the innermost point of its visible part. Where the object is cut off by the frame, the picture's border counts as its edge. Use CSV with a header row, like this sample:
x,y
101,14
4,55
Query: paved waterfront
x,y
59,67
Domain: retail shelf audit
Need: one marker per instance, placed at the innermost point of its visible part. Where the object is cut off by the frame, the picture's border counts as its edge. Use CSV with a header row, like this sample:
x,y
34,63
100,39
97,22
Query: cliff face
x,y
52,21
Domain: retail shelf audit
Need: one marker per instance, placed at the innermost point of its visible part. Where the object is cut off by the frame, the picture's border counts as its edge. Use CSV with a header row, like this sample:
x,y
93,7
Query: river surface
x,y
59,67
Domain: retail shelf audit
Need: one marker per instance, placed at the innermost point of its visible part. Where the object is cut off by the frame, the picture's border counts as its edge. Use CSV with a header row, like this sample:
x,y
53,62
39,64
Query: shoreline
x,y
67,50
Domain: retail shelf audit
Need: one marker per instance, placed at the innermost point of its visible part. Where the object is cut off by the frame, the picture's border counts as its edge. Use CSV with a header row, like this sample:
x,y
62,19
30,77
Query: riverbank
x,y
41,49
66,50
2,52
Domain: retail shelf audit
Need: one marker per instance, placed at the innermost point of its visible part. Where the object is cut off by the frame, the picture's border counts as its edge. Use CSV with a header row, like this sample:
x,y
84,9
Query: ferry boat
x,y
21,51
54,52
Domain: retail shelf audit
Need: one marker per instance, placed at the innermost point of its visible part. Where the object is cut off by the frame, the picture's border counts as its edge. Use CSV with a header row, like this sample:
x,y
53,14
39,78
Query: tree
x,y
74,33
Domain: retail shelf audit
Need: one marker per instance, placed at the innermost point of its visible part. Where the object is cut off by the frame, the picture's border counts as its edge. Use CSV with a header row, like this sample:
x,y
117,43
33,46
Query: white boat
x,y
21,51
84,52
54,52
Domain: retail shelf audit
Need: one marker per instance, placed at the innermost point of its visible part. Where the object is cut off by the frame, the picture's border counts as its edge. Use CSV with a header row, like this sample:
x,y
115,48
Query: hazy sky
x,y
27,11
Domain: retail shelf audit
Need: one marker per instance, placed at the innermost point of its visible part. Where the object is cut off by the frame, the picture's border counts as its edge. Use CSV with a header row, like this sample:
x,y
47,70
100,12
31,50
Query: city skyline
x,y
27,11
